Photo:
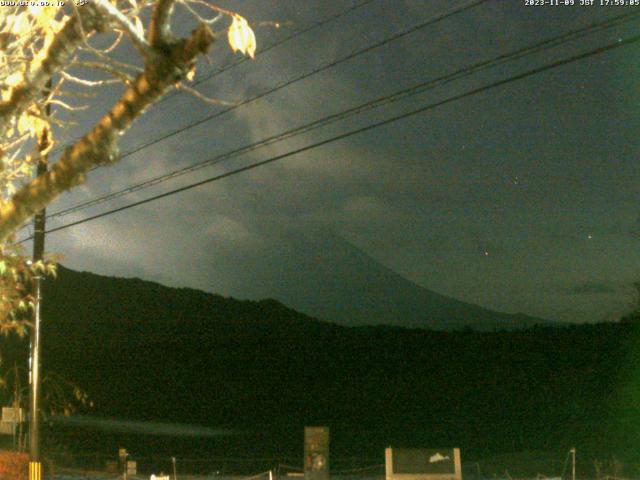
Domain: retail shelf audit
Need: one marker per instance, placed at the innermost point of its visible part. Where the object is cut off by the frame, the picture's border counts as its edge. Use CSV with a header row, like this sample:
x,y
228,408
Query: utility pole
x,y
573,464
35,466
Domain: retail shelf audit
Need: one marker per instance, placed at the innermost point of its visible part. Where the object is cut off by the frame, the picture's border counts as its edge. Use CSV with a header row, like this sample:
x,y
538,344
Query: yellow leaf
x,y
38,267
45,16
24,123
241,36
19,24
51,269
31,123
192,73
13,79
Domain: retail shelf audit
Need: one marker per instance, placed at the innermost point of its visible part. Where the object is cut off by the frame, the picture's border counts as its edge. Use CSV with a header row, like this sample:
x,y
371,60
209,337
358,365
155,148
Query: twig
x,y
66,106
200,96
116,16
127,79
208,21
86,83
115,43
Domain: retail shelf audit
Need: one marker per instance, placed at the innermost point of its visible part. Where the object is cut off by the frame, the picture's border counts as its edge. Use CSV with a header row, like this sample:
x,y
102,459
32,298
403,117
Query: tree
x,y
60,396
41,49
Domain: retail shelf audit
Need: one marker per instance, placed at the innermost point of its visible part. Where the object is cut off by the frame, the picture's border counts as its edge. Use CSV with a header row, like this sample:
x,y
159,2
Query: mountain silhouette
x,y
327,277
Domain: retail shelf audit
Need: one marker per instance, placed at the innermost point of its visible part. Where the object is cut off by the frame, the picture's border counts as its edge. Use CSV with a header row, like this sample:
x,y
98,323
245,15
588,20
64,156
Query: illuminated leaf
x,y
24,123
19,25
51,270
13,79
38,267
44,16
191,74
29,123
241,36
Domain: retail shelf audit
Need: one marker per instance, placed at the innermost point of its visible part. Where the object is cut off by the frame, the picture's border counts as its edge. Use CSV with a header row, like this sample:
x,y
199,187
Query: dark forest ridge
x,y
148,352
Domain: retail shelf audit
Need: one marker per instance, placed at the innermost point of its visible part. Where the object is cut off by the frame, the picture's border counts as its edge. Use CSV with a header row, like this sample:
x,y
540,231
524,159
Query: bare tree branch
x,y
59,53
86,83
66,106
118,74
117,17
160,26
201,96
98,147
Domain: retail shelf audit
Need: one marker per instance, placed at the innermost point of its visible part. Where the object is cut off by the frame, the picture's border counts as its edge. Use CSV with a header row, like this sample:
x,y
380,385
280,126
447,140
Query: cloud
x,y
594,288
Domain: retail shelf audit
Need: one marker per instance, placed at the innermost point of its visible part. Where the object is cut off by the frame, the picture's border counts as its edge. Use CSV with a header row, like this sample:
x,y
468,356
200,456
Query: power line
x,y
357,131
429,22
416,89
308,74
286,83
243,59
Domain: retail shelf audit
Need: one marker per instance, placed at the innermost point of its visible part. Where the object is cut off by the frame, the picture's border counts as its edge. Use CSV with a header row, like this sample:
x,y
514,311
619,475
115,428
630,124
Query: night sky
x,y
523,198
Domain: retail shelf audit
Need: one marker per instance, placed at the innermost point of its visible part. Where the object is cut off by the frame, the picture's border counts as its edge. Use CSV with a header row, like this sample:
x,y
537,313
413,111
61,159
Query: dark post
x,y
44,142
